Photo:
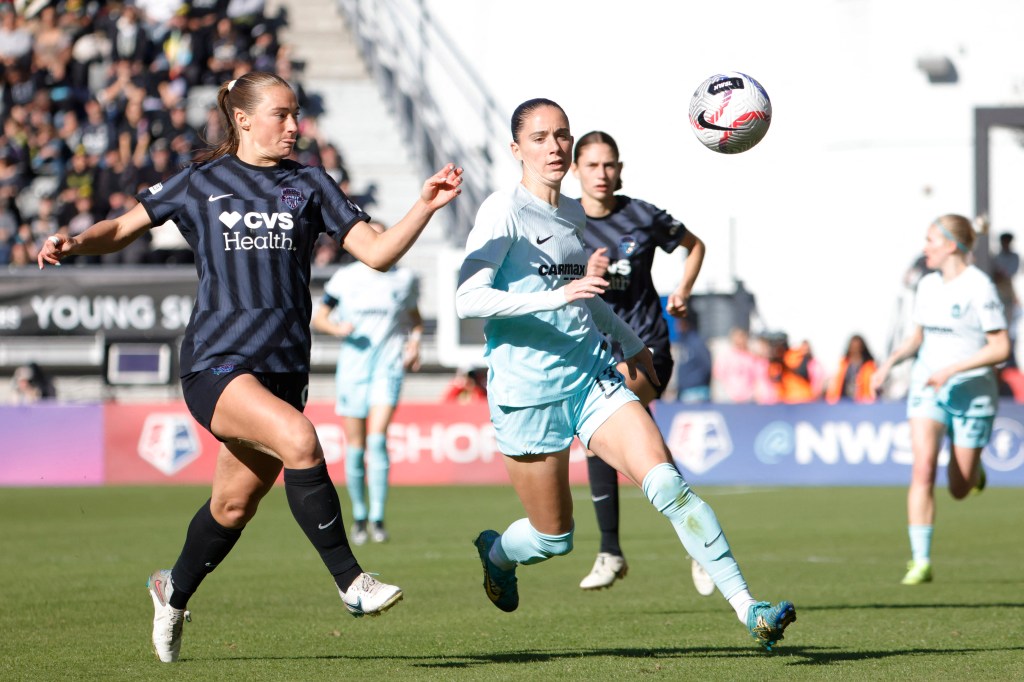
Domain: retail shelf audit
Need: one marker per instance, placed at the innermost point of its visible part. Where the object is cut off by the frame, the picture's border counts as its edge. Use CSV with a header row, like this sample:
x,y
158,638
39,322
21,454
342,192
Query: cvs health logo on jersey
x,y
261,231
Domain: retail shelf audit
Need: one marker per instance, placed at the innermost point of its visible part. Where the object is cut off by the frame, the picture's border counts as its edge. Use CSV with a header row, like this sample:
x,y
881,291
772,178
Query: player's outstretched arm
x,y
382,250
106,236
677,304
476,296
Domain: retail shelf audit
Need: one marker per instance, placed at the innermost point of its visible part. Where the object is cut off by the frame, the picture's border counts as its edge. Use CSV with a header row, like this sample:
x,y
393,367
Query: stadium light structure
x,y
986,118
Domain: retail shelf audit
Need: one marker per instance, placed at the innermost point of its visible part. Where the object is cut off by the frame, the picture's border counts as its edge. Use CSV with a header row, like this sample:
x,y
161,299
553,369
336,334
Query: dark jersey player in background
x,y
252,217
622,234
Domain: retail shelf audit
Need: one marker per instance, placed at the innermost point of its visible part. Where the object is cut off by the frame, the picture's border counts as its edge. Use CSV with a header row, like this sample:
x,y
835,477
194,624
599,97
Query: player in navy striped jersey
x,y
552,377
252,217
622,235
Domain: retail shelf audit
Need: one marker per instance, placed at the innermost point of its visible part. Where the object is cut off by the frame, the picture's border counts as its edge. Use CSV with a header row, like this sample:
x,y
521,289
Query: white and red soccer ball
x,y
730,112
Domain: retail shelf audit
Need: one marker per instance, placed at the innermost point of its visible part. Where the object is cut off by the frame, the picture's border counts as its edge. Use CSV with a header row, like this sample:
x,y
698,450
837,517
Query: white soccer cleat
x,y
167,620
378,533
358,534
701,580
607,569
367,596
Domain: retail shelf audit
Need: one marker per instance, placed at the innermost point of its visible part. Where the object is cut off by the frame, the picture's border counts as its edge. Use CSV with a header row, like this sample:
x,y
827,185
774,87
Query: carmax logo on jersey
x,y
237,241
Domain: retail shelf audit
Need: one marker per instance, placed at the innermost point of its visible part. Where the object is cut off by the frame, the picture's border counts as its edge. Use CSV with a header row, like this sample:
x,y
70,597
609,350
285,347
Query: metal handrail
x,y
411,58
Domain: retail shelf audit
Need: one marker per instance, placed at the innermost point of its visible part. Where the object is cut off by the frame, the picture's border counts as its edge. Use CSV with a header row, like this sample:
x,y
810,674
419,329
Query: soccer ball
x,y
730,112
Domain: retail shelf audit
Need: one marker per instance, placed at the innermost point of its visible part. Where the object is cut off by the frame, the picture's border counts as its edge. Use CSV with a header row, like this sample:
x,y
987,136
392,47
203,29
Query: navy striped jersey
x,y
631,232
252,229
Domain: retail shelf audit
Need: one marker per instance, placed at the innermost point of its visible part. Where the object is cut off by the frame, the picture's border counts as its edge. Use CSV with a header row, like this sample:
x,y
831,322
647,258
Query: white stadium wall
x,y
863,151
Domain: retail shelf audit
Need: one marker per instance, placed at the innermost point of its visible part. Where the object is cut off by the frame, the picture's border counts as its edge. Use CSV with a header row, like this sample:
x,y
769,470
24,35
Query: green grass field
x,y
75,561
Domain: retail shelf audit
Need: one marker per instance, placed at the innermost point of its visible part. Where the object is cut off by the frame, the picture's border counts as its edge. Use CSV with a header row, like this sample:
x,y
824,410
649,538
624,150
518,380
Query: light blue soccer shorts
x,y
381,386
966,407
550,427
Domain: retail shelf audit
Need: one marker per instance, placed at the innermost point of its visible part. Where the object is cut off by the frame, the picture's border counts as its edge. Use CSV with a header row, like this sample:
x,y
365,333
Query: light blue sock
x,y
377,467
920,542
355,479
521,543
696,525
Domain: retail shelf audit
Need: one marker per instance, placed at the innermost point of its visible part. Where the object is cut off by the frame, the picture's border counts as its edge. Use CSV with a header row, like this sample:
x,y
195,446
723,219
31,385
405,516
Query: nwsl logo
x,y
291,197
699,440
169,442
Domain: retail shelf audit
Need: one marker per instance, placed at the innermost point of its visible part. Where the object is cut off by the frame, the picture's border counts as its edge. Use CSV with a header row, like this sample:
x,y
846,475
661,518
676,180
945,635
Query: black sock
x,y
315,505
206,544
604,491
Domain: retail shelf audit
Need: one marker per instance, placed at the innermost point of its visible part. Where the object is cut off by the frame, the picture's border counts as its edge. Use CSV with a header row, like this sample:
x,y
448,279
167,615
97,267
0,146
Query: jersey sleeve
x,y
666,231
990,308
338,212
612,325
165,200
492,233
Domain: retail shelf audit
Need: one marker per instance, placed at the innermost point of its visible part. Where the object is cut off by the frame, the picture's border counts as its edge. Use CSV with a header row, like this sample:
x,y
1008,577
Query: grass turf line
x,y
75,561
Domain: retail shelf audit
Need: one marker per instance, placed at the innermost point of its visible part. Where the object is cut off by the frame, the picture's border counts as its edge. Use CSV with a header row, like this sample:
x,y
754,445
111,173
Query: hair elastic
x,y
949,235
232,84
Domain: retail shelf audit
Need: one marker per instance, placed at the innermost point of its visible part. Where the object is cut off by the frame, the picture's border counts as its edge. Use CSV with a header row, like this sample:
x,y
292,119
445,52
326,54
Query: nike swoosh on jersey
x,y
220,196
703,122
541,241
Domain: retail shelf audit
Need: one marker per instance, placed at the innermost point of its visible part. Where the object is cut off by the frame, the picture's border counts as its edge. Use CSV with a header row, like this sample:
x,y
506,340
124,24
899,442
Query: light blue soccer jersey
x,y
377,304
539,357
955,317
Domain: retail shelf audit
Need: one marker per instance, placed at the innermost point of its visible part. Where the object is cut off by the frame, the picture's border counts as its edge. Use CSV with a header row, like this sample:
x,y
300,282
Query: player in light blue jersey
x,y
959,336
552,377
377,318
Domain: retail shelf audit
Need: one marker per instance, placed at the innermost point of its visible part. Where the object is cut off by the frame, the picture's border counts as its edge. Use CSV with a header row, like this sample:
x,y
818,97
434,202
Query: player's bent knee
x,y
300,448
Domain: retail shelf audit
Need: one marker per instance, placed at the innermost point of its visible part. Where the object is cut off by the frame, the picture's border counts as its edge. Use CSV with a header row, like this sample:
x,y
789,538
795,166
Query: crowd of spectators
x,y
768,369
100,100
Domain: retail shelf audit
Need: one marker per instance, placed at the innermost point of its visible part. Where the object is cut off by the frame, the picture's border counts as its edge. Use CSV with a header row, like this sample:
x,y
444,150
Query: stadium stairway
x,y
360,123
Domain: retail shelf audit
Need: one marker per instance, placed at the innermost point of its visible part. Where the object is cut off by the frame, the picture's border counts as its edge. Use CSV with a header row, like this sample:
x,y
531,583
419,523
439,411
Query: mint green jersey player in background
x,y
377,318
959,335
552,377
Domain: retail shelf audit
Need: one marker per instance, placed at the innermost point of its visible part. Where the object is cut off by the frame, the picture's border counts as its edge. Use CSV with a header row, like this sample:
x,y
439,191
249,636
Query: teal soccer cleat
x,y
499,584
766,622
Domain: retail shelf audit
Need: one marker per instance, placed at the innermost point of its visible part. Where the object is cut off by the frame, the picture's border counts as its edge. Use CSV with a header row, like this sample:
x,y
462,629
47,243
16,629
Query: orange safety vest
x,y
862,385
791,378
